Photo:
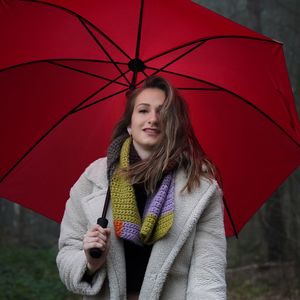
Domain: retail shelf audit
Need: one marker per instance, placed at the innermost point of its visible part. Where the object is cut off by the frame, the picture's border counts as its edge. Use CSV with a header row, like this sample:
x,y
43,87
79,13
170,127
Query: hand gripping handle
x,y
96,252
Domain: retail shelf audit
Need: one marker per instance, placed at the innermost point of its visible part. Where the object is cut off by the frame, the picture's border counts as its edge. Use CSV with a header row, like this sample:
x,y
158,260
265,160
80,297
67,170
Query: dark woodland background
x,y
263,263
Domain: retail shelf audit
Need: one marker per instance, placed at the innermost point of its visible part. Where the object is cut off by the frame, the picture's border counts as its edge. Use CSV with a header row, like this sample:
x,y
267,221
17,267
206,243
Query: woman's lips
x,y
152,131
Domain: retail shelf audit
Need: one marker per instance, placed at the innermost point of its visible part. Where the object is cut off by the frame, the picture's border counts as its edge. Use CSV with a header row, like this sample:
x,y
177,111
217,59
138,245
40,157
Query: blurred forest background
x,y
263,263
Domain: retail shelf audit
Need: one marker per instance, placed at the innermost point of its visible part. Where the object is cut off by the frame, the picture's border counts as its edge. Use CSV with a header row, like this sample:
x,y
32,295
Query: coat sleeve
x,y
71,260
206,278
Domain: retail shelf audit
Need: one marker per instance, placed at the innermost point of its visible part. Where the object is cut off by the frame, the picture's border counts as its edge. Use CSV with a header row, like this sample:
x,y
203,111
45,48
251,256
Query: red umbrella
x,y
66,65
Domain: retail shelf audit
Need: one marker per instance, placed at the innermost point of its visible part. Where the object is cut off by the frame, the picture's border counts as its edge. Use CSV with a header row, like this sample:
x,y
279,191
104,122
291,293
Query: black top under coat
x,y
136,257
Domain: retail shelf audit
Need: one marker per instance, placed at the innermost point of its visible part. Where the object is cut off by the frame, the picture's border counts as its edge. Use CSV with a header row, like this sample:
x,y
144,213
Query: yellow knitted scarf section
x,y
127,220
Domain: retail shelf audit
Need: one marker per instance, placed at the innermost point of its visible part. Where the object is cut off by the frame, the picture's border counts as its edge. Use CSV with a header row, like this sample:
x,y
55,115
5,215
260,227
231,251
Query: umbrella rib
x,y
145,74
172,50
209,39
57,59
103,48
230,217
177,58
138,45
180,56
85,20
73,110
100,100
32,147
139,35
216,87
197,89
90,60
84,72
265,115
79,108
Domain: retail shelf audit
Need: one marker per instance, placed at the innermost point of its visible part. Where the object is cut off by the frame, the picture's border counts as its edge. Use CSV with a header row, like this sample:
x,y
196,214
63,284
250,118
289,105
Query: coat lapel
x,y
93,206
188,209
115,259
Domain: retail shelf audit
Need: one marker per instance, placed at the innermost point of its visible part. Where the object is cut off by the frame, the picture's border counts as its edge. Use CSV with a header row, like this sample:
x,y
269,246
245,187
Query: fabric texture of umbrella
x,y
67,65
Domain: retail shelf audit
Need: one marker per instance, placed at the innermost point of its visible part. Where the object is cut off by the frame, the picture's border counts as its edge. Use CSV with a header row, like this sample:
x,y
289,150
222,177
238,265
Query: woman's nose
x,y
153,117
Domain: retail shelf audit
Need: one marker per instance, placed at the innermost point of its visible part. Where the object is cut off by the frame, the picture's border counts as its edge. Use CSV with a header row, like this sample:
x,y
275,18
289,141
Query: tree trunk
x,y
254,9
274,227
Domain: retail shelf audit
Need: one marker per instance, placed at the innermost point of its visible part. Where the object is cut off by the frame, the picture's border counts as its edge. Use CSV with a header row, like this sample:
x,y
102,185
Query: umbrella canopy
x,y
65,69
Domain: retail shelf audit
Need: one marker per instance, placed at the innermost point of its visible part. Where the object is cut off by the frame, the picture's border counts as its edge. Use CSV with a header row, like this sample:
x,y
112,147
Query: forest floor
x,y
28,273
268,281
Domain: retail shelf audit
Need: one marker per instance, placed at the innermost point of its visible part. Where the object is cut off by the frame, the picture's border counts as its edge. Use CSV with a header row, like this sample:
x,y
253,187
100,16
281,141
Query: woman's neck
x,y
142,152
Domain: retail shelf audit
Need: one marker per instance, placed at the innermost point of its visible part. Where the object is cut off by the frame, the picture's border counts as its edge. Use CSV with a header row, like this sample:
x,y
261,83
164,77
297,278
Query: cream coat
x,y
188,263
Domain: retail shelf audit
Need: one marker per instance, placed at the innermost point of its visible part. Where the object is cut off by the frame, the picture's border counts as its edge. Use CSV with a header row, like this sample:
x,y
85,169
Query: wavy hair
x,y
178,146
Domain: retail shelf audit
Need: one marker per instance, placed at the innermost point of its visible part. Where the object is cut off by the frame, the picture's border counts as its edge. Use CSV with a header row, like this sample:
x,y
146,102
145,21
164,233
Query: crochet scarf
x,y
159,209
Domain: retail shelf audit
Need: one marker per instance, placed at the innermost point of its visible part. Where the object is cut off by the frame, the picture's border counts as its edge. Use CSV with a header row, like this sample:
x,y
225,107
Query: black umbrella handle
x,y
96,252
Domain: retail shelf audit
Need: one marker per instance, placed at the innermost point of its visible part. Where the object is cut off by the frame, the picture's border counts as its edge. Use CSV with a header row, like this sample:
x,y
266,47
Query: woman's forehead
x,y
151,96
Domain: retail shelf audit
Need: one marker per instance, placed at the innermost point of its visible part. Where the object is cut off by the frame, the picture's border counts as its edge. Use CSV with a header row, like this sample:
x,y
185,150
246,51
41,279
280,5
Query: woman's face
x,y
144,127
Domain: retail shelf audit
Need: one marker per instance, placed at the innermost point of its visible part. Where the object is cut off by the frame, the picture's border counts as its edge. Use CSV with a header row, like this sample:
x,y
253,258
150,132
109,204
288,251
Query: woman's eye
x,y
143,111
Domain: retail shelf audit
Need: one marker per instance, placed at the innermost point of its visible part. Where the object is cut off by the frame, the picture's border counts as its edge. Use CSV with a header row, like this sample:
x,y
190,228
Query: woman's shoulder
x,y
209,186
96,172
206,182
209,182
96,167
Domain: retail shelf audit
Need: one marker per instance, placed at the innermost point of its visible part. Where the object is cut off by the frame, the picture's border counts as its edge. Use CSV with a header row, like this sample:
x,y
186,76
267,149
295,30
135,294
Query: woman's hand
x,y
96,237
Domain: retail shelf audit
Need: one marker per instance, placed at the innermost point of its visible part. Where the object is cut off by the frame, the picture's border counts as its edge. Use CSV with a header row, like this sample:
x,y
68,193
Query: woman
x,y
166,235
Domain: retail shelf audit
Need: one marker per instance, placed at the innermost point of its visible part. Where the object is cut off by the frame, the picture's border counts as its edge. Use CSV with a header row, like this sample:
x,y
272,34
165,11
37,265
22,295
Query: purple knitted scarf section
x,y
158,213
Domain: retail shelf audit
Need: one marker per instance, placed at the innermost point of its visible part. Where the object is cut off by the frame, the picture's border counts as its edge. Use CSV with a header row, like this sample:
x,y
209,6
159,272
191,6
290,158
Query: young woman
x,y
166,235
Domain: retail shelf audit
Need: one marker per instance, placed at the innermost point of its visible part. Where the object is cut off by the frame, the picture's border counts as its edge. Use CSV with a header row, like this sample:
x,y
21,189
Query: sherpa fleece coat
x,y
188,263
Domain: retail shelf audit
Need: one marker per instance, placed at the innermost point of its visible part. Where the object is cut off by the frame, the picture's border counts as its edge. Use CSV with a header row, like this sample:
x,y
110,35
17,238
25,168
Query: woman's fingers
x,y
100,232
98,245
96,237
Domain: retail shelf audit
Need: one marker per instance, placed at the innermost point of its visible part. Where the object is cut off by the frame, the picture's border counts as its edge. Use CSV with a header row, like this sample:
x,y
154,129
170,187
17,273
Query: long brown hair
x,y
178,146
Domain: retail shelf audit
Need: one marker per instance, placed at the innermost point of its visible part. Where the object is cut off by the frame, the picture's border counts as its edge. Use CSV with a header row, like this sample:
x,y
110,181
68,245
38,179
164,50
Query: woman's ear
x,y
129,130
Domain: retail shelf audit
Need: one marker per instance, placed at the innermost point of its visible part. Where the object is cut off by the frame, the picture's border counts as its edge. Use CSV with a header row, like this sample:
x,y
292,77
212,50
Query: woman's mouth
x,y
152,131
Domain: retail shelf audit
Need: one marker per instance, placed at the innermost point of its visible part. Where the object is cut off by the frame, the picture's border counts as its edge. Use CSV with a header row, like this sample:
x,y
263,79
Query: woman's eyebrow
x,y
147,104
